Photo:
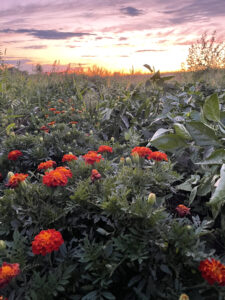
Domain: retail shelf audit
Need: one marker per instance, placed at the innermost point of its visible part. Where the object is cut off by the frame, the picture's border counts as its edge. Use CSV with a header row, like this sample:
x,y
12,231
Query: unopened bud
x,y
91,132
151,198
128,161
122,159
41,139
2,245
9,175
184,297
135,157
23,184
112,139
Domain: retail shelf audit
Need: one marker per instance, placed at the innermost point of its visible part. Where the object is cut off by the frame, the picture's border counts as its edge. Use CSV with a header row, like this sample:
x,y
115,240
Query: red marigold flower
x,y
213,271
55,178
105,148
158,156
51,123
57,112
67,172
44,128
73,122
47,241
141,151
15,179
46,165
13,155
182,210
7,272
95,175
52,109
69,157
91,157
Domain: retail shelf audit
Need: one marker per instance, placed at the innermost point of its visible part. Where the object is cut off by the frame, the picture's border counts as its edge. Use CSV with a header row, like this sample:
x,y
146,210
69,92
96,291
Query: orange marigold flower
x,y
55,178
141,151
47,241
13,155
105,148
51,123
69,157
91,157
73,122
182,210
7,272
57,112
213,271
15,179
67,172
44,128
95,175
52,109
158,156
46,165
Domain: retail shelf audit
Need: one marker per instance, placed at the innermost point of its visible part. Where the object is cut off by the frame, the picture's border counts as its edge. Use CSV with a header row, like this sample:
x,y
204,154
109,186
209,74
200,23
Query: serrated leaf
x,y
202,134
211,108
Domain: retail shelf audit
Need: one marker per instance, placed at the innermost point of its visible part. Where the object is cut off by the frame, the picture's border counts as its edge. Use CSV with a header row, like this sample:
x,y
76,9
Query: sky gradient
x,y
113,34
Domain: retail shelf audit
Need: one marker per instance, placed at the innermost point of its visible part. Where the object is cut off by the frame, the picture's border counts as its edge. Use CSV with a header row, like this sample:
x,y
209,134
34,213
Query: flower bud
x,y
2,245
41,139
151,198
135,157
91,132
112,139
10,174
184,297
122,159
128,161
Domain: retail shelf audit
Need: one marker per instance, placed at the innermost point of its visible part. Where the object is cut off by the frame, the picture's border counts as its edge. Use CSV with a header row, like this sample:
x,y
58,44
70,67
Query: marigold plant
x,y
69,157
47,241
7,272
141,151
213,271
15,179
91,157
104,148
95,175
46,165
13,155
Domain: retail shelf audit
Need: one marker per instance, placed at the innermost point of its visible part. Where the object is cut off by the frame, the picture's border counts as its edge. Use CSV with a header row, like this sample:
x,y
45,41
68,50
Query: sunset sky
x,y
115,34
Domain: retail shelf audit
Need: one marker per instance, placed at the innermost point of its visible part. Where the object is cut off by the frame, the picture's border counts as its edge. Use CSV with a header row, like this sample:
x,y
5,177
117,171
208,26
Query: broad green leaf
x,y
216,158
211,108
193,194
181,131
159,132
169,142
218,197
202,134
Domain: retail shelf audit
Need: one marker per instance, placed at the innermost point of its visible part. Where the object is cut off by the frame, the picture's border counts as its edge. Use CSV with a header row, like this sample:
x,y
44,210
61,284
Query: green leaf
x,y
216,158
211,108
9,127
169,142
202,134
218,197
181,131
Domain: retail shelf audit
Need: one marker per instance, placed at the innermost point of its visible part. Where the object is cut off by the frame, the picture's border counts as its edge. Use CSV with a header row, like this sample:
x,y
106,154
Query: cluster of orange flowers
x,y
213,271
7,272
91,157
47,241
46,165
69,157
105,148
13,155
57,177
15,179
149,154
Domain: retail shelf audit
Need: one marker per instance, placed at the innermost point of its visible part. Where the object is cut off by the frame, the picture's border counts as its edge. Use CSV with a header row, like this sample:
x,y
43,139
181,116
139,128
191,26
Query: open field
x,y
135,210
